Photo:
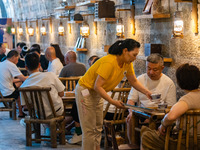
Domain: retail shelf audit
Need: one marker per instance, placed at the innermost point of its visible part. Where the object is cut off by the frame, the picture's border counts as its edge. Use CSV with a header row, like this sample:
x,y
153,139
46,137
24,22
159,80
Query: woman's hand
x,y
118,104
162,130
128,118
148,94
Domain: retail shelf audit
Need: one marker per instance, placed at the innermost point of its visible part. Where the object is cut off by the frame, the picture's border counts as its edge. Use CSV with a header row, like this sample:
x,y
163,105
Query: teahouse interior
x,y
89,28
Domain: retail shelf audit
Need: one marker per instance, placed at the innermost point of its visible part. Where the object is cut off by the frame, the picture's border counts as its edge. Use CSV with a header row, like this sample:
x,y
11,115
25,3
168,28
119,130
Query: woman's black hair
x,y
58,53
118,46
188,77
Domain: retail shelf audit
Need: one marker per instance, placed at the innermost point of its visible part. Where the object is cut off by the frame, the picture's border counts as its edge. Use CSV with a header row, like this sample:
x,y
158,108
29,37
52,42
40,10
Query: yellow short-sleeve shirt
x,y
108,68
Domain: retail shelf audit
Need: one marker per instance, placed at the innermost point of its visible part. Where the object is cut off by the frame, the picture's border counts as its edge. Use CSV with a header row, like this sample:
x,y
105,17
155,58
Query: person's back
x,y
44,79
73,69
47,79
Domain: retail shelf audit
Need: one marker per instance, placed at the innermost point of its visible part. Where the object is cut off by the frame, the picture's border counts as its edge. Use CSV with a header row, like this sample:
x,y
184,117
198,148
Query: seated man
x,y
55,64
155,81
44,79
43,61
188,79
73,68
8,72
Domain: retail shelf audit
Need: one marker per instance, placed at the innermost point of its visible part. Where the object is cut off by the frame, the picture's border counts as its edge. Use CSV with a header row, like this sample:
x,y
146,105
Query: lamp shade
x,y
120,28
20,30
31,31
43,30
178,25
13,31
85,30
61,29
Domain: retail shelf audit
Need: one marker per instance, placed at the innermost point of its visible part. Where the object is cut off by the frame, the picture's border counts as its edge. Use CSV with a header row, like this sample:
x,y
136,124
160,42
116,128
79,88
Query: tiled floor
x,y
12,136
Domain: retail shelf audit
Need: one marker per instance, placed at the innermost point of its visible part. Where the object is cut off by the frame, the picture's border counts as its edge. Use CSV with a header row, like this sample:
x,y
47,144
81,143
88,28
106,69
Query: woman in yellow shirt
x,y
103,76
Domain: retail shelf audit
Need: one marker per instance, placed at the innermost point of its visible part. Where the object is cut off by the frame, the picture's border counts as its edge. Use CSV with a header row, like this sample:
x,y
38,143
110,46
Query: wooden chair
x,y
187,121
9,105
70,82
111,138
69,98
119,117
34,101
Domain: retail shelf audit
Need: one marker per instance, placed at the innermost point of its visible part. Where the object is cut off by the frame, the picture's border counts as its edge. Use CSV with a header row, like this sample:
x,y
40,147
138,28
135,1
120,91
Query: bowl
x,y
162,106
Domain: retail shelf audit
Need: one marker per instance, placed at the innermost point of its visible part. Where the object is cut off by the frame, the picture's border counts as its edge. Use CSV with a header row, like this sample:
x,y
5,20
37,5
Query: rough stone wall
x,y
157,31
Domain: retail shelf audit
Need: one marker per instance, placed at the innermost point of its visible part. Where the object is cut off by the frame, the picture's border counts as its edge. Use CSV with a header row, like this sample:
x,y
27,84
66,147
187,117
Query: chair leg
x,y
62,134
37,132
28,134
14,110
53,134
105,143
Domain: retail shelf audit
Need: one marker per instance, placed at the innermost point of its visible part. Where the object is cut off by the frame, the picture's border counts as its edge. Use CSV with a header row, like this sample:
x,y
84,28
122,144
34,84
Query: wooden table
x,y
68,99
153,118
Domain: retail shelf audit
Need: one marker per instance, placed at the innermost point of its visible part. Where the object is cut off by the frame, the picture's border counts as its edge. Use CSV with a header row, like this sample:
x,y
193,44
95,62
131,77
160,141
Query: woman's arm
x,y
138,86
99,89
176,111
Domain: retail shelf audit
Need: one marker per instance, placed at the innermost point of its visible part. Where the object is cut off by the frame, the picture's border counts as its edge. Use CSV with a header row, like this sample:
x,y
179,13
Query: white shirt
x,y
165,86
55,66
7,51
8,71
46,79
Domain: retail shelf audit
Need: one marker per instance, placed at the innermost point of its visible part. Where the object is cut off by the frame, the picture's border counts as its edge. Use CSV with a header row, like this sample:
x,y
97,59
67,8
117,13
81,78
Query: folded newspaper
x,y
144,109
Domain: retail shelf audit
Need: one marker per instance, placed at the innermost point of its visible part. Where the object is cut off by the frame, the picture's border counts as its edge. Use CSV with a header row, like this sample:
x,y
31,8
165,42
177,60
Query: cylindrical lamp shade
x,y
178,25
31,31
120,28
43,30
61,29
13,30
20,30
85,30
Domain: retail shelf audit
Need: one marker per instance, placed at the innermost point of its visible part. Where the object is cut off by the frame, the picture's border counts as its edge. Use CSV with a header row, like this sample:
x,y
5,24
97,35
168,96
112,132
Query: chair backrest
x,y
187,121
34,99
122,95
70,82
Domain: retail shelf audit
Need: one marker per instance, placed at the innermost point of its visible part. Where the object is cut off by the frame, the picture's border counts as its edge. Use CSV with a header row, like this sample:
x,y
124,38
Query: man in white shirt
x,y
44,79
156,82
55,64
8,72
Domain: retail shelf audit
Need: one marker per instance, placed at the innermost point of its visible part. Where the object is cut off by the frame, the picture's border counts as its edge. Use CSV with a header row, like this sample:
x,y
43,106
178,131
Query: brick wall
x,y
157,31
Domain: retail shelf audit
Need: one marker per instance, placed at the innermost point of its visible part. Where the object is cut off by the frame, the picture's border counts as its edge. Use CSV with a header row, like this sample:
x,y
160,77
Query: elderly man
x,y
72,68
55,65
8,72
155,81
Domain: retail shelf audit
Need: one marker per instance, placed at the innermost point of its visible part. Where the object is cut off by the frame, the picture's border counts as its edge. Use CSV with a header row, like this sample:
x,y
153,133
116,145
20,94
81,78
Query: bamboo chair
x,y
70,82
187,120
111,138
34,101
9,105
119,117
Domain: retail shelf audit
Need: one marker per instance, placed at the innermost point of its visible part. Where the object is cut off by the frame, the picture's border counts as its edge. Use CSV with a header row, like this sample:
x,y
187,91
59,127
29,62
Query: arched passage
x,y
3,9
